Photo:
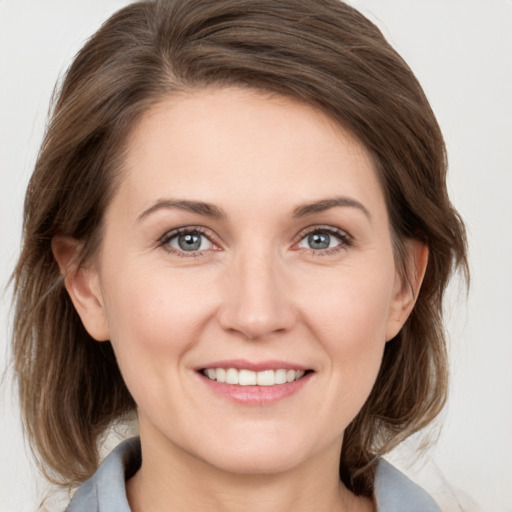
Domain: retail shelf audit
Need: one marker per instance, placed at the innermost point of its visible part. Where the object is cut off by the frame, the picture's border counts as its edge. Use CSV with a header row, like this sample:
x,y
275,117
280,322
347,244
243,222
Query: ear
x,y
407,286
82,285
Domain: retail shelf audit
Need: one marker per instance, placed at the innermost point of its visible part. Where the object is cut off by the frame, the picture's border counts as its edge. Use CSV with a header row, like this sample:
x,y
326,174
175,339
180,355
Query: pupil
x,y
189,242
319,240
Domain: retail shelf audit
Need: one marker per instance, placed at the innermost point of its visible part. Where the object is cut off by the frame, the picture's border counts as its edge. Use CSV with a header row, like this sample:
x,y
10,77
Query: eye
x,y
322,239
186,240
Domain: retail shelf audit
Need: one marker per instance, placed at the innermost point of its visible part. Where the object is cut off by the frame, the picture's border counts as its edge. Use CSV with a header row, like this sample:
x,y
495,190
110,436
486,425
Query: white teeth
x,y
280,376
266,378
247,378
250,378
211,373
231,376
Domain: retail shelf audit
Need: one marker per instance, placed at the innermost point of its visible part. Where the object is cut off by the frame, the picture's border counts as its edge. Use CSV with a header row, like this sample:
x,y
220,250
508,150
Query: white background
x,y
461,50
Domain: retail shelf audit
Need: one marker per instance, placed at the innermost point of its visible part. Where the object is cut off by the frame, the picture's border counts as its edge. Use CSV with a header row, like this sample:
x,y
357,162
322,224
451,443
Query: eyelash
x,y
170,235
345,240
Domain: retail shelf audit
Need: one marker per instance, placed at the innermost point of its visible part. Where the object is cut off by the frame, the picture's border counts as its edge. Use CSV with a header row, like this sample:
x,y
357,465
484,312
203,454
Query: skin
x,y
255,291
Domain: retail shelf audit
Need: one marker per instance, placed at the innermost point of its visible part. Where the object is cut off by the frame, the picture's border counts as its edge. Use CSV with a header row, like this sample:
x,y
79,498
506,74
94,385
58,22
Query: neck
x,y
172,479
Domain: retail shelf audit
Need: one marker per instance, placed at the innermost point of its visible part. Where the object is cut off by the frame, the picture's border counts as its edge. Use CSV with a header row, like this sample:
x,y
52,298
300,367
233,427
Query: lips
x,y
255,383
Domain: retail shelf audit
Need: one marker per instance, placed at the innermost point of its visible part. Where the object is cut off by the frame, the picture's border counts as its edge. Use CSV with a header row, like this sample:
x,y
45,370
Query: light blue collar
x,y
105,491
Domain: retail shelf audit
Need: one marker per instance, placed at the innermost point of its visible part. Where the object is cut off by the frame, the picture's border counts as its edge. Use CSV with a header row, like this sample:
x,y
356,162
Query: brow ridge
x,y
326,204
210,210
198,207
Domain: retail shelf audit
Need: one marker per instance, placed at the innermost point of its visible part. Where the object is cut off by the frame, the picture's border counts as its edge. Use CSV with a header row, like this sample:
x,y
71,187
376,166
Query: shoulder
x,y
394,492
105,491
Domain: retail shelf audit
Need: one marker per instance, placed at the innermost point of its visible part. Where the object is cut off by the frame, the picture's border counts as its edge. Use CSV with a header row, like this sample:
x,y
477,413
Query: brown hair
x,y
321,52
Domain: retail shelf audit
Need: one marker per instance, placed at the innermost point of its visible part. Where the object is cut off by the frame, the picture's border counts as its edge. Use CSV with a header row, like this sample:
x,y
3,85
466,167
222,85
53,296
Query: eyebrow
x,y
326,204
198,207
210,210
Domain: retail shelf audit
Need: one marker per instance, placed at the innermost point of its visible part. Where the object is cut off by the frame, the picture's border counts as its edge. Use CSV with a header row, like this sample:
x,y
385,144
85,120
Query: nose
x,y
256,298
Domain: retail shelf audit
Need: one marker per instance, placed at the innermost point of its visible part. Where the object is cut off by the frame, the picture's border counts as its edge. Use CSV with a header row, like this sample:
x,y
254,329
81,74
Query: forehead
x,y
227,143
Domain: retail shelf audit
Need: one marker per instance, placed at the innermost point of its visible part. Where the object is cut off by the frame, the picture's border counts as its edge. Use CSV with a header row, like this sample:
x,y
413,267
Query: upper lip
x,y
255,366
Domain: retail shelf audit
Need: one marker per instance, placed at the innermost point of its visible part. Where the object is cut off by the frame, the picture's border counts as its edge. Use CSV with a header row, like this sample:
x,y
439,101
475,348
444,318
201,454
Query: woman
x,y
237,226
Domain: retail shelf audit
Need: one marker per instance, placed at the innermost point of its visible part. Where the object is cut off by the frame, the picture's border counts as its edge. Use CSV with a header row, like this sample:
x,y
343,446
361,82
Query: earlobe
x,y
407,287
82,285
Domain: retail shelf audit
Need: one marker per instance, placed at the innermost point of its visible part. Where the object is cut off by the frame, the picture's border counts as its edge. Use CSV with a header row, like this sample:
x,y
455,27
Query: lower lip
x,y
256,395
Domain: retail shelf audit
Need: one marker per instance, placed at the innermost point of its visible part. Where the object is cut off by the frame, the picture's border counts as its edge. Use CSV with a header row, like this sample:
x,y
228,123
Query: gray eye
x,y
189,242
319,240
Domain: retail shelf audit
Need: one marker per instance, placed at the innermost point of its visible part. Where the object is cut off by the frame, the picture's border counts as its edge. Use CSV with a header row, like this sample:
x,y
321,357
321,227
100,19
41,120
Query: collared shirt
x,y
105,491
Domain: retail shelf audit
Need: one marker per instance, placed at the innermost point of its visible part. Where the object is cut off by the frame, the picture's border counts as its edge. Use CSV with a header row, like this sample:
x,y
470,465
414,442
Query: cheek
x,y
349,320
154,307
154,318
352,306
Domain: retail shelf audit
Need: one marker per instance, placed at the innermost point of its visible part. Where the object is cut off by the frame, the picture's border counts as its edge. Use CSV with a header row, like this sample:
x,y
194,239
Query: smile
x,y
246,377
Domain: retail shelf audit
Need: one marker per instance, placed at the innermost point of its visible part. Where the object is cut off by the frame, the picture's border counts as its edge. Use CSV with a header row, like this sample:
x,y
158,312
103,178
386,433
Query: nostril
x,y
256,301
244,322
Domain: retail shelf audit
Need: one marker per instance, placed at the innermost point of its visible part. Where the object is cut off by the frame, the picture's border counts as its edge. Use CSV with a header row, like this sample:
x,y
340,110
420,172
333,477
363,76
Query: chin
x,y
252,457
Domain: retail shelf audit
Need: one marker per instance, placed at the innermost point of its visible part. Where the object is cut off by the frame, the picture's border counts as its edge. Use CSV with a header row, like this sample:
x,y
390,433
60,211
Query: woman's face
x,y
248,241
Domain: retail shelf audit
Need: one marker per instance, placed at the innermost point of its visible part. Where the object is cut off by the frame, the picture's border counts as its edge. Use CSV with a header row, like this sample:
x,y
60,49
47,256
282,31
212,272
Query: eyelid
x,y
344,236
164,240
179,230
323,227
